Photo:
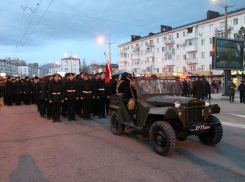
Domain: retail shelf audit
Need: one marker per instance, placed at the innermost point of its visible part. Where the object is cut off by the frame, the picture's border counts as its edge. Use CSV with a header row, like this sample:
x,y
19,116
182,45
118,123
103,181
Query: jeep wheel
x,y
212,137
162,137
117,127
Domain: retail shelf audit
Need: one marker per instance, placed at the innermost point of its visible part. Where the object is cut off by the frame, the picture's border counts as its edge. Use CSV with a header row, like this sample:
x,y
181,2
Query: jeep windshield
x,y
158,86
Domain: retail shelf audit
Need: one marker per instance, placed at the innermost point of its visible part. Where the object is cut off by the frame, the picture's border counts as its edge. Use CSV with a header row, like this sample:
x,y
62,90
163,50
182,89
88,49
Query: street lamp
x,y
227,75
101,40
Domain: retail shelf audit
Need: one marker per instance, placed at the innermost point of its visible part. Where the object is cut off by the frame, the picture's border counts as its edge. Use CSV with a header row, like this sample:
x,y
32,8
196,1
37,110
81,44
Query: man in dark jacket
x,y
206,87
86,95
39,91
184,88
197,88
34,92
9,90
231,86
27,90
111,90
56,96
71,95
47,105
100,94
123,83
241,88
18,91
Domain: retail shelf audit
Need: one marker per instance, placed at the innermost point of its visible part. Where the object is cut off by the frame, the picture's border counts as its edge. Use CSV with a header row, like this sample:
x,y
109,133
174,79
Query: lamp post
x,y
109,43
227,75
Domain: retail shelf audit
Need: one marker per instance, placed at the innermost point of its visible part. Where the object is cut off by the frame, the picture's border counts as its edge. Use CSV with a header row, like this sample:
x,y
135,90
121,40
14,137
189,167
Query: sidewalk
x,y
219,95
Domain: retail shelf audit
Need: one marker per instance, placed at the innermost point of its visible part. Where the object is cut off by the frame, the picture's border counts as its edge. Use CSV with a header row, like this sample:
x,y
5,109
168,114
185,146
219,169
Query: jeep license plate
x,y
202,127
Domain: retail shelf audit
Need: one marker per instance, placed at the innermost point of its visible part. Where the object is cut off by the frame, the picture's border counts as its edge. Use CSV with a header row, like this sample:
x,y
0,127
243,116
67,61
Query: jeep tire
x,y
162,137
213,137
117,127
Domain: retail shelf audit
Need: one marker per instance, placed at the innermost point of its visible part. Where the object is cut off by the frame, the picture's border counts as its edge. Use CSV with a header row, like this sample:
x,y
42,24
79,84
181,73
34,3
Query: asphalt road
x,y
35,149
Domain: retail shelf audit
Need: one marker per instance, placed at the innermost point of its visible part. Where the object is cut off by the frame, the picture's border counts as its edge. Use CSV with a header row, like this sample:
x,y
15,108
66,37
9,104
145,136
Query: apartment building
x,y
8,67
70,65
180,51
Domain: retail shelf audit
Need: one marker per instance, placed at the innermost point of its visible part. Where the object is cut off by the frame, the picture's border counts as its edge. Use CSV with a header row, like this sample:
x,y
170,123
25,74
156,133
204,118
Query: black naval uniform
x,y
27,90
56,95
18,91
110,91
9,88
46,103
71,93
86,94
100,94
40,99
197,89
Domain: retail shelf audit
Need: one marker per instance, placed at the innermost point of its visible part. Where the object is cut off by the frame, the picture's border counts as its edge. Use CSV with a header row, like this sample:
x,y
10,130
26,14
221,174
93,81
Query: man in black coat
x,y
197,88
100,94
1,88
86,94
40,100
47,105
111,87
123,83
27,90
34,92
9,91
184,88
206,87
241,88
18,91
56,96
71,90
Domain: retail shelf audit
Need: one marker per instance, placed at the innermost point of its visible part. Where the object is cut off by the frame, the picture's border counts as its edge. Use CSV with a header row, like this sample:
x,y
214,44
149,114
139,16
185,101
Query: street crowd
x,y
71,95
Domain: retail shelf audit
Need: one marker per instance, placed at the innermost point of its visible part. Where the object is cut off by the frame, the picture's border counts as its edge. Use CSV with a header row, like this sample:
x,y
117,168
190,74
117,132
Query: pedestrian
x,y
197,88
27,90
71,90
231,86
206,88
241,89
9,90
184,88
100,94
217,86
86,94
56,97
214,86
18,91
188,89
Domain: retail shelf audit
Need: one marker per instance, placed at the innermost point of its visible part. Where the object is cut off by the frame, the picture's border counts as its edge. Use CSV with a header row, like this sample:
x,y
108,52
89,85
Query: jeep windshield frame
x,y
158,86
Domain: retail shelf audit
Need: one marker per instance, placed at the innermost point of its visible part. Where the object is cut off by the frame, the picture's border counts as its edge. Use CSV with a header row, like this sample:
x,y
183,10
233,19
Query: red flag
x,y
108,70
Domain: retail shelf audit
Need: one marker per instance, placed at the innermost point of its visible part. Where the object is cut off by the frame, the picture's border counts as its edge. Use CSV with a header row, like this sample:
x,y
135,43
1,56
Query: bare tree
x,y
241,34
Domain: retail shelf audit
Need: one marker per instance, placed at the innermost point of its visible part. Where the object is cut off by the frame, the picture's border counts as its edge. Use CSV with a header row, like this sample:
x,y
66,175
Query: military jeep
x,y
165,116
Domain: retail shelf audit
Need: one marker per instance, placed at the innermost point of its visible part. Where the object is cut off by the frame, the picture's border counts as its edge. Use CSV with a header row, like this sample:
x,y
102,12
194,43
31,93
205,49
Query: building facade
x,y
181,51
70,65
9,67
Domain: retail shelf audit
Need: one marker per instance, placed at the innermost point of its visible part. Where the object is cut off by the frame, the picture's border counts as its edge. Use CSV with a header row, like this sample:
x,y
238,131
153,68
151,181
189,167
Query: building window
x,y
162,49
184,57
203,54
211,27
177,46
157,40
203,67
141,44
157,70
222,24
178,57
177,35
151,41
158,60
203,41
157,50
131,46
184,68
210,67
211,40
235,35
183,34
178,70
210,53
193,68
235,21
203,29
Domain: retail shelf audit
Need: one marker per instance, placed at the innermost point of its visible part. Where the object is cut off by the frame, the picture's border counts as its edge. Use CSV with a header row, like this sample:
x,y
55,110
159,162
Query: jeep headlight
x,y
177,104
207,102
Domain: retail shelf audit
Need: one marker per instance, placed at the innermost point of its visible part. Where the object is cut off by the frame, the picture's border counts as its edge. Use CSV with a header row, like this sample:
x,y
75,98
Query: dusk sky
x,y
58,26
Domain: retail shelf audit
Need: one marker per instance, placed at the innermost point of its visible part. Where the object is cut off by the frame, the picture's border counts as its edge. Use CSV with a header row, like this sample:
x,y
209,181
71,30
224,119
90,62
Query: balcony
x,y
219,29
122,67
191,61
149,54
136,56
135,66
124,59
191,35
191,48
168,52
169,41
169,62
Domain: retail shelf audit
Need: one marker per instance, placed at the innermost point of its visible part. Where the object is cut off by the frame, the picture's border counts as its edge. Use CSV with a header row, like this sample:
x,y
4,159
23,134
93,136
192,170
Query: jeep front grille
x,y
194,113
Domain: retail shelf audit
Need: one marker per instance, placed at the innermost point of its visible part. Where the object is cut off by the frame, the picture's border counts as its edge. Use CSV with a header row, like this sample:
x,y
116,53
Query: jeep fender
x,y
167,112
215,109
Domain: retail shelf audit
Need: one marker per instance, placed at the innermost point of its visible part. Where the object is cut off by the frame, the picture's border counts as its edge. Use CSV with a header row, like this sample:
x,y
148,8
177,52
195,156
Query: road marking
x,y
243,116
233,124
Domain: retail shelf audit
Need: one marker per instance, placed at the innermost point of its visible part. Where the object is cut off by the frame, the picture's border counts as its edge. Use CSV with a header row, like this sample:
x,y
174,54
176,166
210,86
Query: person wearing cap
x,y
18,91
111,90
197,88
79,102
35,84
71,95
56,97
95,102
27,90
100,94
231,86
123,83
47,105
86,95
39,98
241,89
9,88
